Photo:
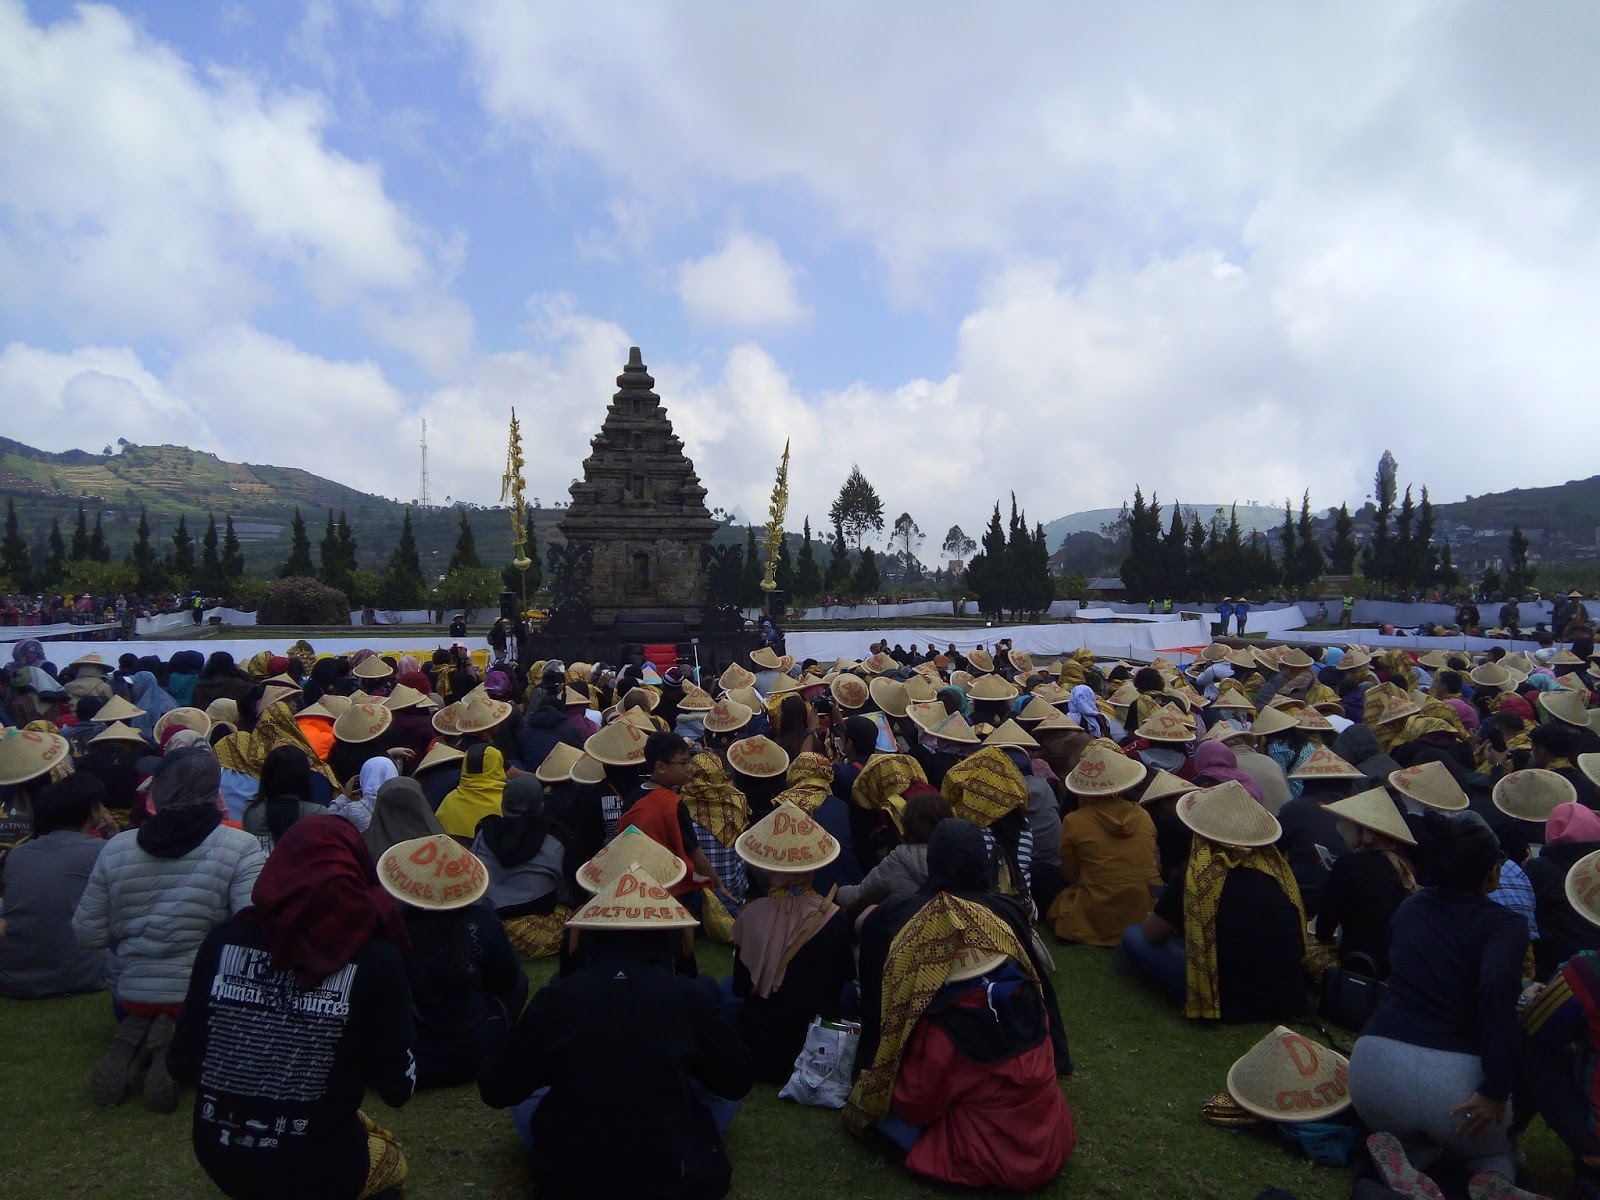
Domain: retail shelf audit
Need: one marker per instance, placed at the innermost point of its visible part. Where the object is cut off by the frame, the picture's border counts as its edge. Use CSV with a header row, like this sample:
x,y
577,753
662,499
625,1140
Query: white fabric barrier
x,y
243,647
1143,641
21,633
1403,641
385,616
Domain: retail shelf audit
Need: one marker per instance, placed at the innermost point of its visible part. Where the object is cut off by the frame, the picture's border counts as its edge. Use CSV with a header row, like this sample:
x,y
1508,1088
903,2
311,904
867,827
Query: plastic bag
x,y
822,1073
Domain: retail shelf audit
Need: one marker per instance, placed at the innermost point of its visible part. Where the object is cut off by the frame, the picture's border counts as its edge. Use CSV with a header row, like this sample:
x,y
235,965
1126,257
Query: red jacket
x,y
656,813
1000,1124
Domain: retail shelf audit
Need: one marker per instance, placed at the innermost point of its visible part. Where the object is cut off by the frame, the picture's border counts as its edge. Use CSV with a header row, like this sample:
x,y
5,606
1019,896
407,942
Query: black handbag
x,y
1350,996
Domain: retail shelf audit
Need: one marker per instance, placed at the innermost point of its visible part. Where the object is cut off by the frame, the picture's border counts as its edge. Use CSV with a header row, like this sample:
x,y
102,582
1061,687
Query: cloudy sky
x,y
1227,251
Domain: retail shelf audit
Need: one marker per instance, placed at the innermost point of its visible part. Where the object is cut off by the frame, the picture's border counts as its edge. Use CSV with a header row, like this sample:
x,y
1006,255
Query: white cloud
x,y
747,283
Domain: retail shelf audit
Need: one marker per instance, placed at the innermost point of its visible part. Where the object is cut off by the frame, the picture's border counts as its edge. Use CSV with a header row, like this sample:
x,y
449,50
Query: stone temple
x,y
640,508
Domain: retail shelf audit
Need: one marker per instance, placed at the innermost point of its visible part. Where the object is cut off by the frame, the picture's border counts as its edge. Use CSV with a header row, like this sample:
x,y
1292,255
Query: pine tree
x,y
866,582
466,551
1342,550
55,562
210,580
1289,549
808,576
99,548
1519,575
988,570
328,548
1310,553
857,508
1200,581
14,563
232,554
836,581
1019,547
299,561
403,586
347,545
1040,590
750,593
183,549
80,537
1425,556
1404,559
1377,559
784,574
1175,556
1138,578
142,557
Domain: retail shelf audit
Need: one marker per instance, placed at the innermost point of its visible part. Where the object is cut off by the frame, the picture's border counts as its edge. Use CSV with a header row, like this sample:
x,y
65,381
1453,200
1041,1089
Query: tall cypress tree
x,y
1309,553
404,585
80,537
142,557
328,548
299,560
14,551
986,574
466,551
55,562
1342,550
210,579
232,554
347,544
99,548
182,549
836,580
807,576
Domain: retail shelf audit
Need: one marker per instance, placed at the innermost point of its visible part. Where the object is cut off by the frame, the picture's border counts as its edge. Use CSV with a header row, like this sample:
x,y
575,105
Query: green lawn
x,y
1142,1074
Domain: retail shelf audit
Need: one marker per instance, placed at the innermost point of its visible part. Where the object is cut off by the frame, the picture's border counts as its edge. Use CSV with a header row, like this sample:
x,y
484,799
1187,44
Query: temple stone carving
x,y
640,507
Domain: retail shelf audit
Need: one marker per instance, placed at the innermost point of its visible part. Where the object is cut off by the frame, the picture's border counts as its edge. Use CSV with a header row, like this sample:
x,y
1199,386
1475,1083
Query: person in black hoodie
x,y
1570,832
623,1032
543,726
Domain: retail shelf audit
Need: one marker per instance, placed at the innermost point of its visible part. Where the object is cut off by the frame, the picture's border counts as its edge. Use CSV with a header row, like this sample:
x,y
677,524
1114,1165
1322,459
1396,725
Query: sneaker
x,y
160,1089
1399,1176
109,1082
1491,1185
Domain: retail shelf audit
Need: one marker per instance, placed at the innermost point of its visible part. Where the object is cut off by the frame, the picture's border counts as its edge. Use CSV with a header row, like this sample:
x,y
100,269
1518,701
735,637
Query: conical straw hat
x,y
1244,657
444,721
1434,660
1589,764
1289,704
766,658
1532,794
557,765
1231,695
785,684
1164,784
362,722
758,757
588,771
631,846
439,754
954,728
980,661
1574,683
1037,709
890,695
921,687
28,753
1178,711
1057,720
1325,764
748,697
118,732
1164,726
1583,887
1311,721
639,718
962,679
1124,695
1104,770
372,667
319,709
1295,659
734,677
434,872
1270,721
1020,660
788,841
728,715
1374,810
695,699
1288,1077
223,708
91,659
1011,734
480,711
1051,692
849,691
1394,708
1569,708
640,697
1565,658
619,744
880,663
118,709
574,697
1429,784
1227,731
187,717
926,713
992,687
404,697
1228,814
633,900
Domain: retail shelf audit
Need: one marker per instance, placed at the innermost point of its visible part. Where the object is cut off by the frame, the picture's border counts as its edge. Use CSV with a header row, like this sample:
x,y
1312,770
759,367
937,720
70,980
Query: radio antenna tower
x,y
422,484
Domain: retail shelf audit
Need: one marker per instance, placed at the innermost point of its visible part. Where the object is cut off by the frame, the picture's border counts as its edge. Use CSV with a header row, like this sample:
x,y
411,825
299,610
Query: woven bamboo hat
x,y
1057,720
1244,658
1270,721
118,709
444,721
954,728
619,744
1051,692
748,697
187,717
640,718
1532,794
1325,764
1165,726
880,663
640,697
788,841
1288,1077
1429,784
1231,695
1434,660
1583,887
434,872
1570,708
980,661
991,687
91,660
480,712
926,713
223,708
631,847
921,687
962,679
1164,784
1124,695
758,757
1104,770
118,732
727,715
734,677
970,962
783,686
1226,731
1020,660
574,697
1312,721
1589,764
766,658
1374,810
1228,814
319,709
372,667
633,900
557,765
1011,734
695,699
890,695
28,753
404,697
1574,683
1295,659
588,770
849,691
1394,707
1038,709
438,754
1565,658
362,723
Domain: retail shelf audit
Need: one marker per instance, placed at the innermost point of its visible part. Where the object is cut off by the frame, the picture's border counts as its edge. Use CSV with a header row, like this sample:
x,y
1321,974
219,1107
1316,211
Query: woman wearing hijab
x,y
401,814
362,794
532,872
1366,886
183,675
244,755
1082,706
478,795
1571,831
310,975
810,780
283,798
1108,850
1215,762
221,678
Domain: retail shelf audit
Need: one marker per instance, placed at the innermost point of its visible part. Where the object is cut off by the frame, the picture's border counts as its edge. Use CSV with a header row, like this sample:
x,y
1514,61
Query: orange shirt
x,y
319,732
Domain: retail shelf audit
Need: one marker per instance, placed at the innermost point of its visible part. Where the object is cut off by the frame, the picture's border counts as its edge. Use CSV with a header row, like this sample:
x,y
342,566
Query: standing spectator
x,y
1225,612
1241,612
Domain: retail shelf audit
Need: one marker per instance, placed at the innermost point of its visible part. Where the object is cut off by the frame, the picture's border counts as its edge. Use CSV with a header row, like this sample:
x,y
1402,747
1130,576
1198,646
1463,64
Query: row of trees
x,y
1191,558
1012,571
1401,555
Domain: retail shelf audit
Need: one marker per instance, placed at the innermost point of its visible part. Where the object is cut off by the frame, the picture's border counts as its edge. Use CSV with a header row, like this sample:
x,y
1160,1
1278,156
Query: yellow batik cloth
x,y
945,932
713,802
1209,864
1400,670
256,665
1321,693
537,935
885,777
985,786
275,727
810,779
386,1162
1389,733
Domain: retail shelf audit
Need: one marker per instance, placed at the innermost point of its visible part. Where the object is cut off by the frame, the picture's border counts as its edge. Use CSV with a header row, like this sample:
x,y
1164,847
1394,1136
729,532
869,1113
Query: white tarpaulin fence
x,y
243,647
1143,641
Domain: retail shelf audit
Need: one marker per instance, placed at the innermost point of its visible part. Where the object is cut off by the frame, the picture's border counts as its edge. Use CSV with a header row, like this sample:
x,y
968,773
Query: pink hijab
x,y
1572,823
1215,760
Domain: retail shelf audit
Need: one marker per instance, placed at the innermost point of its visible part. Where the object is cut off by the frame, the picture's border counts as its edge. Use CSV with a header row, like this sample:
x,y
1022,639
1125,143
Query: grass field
x,y
1142,1074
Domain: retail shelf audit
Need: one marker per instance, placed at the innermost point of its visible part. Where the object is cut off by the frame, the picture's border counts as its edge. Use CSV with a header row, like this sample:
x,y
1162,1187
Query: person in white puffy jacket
x,y
154,894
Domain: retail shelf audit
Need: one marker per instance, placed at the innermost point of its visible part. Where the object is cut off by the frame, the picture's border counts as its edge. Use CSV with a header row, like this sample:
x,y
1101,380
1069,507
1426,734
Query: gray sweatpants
x,y
1409,1091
